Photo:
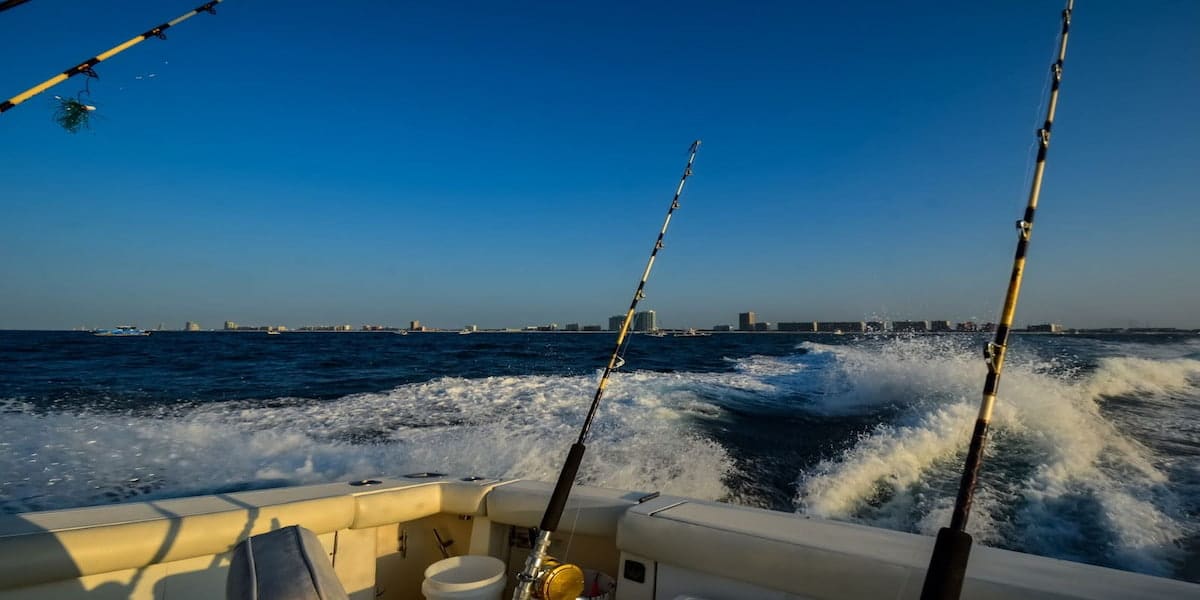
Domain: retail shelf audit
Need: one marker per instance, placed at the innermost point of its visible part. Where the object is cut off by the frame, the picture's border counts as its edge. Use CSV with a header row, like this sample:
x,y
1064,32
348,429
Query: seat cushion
x,y
285,564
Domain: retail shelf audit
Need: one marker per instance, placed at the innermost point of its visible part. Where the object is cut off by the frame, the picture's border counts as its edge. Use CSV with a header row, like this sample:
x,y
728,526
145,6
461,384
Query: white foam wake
x,y
1063,479
498,426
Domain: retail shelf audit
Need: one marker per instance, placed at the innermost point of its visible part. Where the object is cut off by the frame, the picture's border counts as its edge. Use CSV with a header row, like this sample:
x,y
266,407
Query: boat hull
x,y
380,537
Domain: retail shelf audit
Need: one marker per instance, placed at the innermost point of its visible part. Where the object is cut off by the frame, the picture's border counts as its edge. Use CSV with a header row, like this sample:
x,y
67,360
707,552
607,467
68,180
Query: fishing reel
x,y
552,580
556,580
545,577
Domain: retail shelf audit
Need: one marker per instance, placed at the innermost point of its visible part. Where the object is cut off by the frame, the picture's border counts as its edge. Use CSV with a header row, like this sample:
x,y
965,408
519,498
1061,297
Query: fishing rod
x,y
7,4
948,565
85,67
544,577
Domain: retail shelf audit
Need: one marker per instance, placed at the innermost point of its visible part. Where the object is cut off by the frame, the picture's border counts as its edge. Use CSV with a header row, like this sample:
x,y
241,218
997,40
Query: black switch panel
x,y
635,571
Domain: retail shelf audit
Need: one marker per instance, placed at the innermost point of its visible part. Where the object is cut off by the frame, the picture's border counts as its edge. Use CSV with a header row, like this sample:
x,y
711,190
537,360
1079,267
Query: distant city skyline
x,y
501,165
644,321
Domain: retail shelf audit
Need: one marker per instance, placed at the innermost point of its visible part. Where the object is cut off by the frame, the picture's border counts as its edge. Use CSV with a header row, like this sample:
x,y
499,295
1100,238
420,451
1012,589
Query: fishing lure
x,y
72,114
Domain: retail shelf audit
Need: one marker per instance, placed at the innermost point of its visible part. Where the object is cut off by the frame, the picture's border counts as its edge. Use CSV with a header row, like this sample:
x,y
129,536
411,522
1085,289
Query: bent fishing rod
x,y
543,576
948,565
86,67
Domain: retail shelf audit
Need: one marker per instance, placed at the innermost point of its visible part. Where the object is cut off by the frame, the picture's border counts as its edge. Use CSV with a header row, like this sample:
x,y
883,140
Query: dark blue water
x,y
1095,454
47,368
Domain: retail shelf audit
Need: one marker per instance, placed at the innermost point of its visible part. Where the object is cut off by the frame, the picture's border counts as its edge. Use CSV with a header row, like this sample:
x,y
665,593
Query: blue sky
x,y
509,164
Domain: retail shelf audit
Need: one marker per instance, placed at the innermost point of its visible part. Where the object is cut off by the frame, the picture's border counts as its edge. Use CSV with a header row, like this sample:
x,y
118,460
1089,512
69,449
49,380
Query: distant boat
x,y
121,331
465,332
657,333
691,332
272,332
400,332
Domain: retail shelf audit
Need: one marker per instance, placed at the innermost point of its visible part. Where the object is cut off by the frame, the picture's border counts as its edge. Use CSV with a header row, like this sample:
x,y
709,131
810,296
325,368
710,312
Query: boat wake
x,y
498,426
1064,476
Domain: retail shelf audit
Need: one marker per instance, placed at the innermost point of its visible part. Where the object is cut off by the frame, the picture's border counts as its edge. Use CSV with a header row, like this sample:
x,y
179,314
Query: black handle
x,y
948,567
562,489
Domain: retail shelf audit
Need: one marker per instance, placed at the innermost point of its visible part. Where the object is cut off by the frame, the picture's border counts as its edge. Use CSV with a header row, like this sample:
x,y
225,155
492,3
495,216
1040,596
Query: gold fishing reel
x,y
558,581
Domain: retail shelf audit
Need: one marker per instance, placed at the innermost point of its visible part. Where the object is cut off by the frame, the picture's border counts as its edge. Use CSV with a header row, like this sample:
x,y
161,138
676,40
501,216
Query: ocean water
x,y
1094,455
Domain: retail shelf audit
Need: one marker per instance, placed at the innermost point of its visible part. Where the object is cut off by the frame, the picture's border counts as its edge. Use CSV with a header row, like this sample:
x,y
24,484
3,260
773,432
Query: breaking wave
x,y
1062,478
497,426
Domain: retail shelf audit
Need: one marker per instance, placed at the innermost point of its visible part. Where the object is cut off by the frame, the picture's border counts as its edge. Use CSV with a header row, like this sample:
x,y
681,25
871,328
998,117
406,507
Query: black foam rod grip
x,y
562,489
948,567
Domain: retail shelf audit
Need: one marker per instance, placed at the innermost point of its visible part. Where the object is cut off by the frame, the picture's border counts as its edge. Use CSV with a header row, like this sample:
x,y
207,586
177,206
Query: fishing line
x,y
571,537
1035,120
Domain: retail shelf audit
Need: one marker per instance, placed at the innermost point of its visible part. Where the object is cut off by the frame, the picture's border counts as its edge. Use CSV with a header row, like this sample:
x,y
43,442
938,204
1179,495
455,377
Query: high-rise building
x,y
615,321
571,327
231,326
645,321
941,326
746,321
414,326
191,326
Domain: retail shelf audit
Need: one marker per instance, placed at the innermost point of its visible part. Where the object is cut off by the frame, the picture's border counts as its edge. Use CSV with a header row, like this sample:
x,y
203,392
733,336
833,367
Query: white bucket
x,y
463,578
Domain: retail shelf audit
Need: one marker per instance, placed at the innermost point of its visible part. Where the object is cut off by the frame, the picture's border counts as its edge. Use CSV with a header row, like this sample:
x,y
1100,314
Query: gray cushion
x,y
285,564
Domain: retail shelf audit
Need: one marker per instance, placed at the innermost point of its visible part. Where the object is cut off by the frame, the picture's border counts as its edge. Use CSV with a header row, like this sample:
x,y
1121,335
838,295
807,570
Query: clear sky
x,y
510,163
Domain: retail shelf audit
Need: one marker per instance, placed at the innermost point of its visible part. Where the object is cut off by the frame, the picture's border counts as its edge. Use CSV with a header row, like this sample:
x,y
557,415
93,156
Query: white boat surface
x,y
379,536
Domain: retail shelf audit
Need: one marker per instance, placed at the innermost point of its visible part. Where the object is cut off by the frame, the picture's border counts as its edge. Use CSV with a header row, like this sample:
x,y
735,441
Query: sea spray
x,y
498,426
1084,488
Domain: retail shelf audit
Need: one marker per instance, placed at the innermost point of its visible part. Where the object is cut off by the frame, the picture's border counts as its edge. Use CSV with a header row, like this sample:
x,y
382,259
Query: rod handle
x,y
562,489
948,567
